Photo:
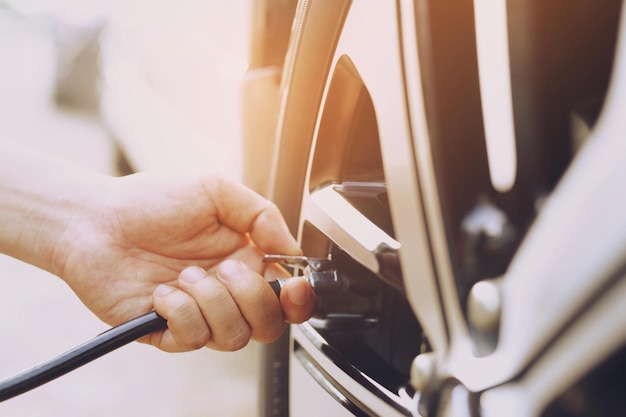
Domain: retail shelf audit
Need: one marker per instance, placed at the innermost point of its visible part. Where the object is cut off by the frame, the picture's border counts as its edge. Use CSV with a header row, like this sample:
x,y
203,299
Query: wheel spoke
x,y
354,233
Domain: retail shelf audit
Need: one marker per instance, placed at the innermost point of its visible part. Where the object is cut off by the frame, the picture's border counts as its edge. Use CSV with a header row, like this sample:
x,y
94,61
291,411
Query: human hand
x,y
123,255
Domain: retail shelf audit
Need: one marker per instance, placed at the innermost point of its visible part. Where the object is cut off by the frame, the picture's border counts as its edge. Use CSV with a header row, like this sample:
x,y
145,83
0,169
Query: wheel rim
x,y
344,82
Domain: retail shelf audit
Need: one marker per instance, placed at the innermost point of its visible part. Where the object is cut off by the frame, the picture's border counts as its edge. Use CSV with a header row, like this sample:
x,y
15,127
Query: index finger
x,y
245,211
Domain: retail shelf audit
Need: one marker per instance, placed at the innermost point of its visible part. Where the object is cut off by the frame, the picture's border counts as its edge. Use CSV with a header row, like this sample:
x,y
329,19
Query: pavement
x,y
40,317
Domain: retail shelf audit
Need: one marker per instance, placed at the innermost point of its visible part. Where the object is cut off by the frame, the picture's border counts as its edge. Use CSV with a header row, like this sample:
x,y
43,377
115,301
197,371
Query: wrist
x,y
41,201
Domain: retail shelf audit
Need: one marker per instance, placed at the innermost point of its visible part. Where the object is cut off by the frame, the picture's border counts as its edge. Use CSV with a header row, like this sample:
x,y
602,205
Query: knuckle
x,y
271,334
237,341
196,341
188,331
181,308
271,209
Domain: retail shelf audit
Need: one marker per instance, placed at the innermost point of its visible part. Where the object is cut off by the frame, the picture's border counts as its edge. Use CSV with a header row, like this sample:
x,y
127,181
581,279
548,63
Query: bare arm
x,y
190,247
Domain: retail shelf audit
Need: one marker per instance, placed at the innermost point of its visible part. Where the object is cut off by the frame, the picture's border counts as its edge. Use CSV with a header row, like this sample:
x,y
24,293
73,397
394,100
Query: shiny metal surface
x,y
485,306
549,304
533,298
329,212
365,40
347,382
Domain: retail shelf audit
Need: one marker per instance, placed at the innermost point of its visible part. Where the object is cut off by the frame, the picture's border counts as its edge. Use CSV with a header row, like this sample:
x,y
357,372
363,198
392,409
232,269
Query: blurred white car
x,y
170,75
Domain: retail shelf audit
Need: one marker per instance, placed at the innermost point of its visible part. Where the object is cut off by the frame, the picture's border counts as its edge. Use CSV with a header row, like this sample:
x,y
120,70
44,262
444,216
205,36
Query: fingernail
x,y
231,270
298,294
162,290
192,274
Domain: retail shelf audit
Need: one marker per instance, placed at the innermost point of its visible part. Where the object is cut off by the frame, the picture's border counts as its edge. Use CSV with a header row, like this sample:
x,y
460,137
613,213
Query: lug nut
x,y
484,306
422,370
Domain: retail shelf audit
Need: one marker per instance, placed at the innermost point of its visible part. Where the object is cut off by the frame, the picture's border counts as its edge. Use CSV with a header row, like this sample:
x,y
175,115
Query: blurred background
x,y
120,86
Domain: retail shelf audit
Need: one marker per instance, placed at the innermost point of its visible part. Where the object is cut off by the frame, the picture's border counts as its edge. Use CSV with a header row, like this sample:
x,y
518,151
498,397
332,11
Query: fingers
x,y
186,330
247,212
225,310
255,299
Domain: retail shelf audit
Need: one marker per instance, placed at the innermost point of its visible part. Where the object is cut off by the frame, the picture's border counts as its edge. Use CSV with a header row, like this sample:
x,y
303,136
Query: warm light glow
x,y
495,90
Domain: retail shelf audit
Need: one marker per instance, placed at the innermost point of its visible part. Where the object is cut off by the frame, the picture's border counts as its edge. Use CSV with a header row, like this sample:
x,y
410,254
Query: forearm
x,y
39,199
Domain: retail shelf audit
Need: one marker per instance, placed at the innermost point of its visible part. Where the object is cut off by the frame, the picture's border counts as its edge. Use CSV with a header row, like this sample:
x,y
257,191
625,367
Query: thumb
x,y
297,299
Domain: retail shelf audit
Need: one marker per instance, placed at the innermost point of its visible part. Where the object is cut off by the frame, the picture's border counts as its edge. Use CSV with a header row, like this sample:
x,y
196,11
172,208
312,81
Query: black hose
x,y
81,355
93,349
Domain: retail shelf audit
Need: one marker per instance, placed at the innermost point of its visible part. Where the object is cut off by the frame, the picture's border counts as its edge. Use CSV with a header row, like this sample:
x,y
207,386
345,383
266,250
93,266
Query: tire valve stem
x,y
324,276
319,273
